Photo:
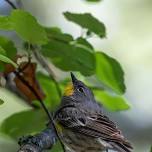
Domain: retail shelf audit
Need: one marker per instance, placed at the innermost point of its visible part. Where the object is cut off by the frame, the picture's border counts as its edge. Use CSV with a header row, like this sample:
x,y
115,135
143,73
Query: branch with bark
x,y
39,142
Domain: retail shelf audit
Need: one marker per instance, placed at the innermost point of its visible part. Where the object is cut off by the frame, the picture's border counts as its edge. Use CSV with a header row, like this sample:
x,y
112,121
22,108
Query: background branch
x,y
43,62
11,4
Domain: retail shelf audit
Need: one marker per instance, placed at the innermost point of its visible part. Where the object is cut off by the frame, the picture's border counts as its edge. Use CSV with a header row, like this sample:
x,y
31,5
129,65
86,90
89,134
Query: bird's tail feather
x,y
122,147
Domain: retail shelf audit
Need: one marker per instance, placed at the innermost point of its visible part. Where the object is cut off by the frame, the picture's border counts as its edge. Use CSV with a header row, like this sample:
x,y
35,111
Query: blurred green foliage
x,y
8,45
24,123
93,0
1,101
5,59
52,98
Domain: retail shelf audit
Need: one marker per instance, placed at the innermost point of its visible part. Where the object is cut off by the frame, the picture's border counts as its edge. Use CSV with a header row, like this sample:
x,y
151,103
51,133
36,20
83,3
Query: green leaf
x,y
5,23
23,123
52,98
8,46
2,51
28,27
69,57
112,102
56,34
1,101
109,72
7,60
87,21
84,43
57,147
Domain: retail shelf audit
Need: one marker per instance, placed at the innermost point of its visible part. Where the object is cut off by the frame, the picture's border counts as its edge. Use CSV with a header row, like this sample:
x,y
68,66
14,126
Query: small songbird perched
x,y
81,124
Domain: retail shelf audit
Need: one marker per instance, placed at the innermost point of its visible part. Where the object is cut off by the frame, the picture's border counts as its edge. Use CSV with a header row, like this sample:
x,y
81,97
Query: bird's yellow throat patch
x,y
69,90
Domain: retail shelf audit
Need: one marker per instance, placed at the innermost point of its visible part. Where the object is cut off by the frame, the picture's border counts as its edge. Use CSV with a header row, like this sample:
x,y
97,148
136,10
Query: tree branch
x,y
42,141
43,105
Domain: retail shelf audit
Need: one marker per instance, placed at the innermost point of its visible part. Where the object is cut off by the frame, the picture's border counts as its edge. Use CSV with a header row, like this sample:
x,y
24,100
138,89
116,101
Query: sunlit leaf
x,y
69,57
112,102
23,123
7,60
25,25
87,21
1,101
109,72
28,27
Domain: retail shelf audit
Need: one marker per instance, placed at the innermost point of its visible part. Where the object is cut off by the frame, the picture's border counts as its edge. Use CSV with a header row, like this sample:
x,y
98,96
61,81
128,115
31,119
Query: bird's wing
x,y
94,125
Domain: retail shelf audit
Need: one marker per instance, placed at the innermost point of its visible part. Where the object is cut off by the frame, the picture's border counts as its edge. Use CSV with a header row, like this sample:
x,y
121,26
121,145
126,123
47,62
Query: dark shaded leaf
x,y
2,51
52,98
112,102
23,123
151,149
56,34
8,46
28,27
57,148
109,72
69,57
1,101
7,60
87,21
84,43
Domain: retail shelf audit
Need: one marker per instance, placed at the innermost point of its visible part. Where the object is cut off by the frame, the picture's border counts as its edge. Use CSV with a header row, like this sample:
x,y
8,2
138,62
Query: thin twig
x,y
42,103
45,65
11,4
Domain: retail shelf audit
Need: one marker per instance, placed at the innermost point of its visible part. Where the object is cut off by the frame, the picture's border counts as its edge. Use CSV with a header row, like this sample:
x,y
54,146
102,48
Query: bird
x,y
82,125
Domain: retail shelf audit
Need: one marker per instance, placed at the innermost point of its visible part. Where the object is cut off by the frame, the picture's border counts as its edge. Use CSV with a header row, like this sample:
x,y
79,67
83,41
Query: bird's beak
x,y
74,79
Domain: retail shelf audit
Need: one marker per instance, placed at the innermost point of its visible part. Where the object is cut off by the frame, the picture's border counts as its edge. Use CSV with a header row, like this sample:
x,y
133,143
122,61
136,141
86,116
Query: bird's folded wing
x,y
97,125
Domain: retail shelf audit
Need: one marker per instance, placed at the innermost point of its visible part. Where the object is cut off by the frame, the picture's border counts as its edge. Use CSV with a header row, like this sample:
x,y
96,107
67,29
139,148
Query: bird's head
x,y
77,91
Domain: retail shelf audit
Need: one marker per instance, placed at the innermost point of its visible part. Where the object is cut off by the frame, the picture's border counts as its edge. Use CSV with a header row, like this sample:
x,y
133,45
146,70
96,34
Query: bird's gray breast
x,y
76,142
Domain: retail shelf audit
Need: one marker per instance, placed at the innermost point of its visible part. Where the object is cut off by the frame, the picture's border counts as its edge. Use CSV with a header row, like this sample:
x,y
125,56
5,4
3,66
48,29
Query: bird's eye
x,y
80,89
